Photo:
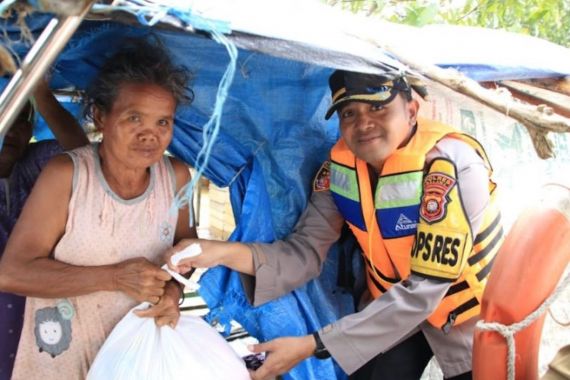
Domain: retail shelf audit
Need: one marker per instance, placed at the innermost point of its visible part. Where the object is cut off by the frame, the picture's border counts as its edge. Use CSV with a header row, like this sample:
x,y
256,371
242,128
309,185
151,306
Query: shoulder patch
x,y
443,239
435,198
322,180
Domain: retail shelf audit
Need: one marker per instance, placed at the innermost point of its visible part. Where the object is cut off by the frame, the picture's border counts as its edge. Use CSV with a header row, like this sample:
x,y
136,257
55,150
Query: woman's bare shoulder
x,y
58,172
181,171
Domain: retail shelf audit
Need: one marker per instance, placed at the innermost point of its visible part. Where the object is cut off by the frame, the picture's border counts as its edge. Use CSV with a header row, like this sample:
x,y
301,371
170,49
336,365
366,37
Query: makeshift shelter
x,y
257,122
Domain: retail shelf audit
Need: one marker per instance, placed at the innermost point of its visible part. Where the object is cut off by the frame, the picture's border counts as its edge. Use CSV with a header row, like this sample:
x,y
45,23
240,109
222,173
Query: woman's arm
x,y
64,126
28,267
183,229
167,310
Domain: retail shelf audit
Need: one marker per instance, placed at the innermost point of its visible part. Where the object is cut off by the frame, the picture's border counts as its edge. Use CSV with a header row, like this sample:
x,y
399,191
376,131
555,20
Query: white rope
x,y
508,332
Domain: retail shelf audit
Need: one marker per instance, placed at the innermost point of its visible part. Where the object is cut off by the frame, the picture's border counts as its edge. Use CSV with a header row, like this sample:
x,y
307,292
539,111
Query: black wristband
x,y
321,351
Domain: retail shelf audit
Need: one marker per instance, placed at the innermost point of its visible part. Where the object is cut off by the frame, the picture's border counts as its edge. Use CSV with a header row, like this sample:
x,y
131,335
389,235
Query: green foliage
x,y
548,19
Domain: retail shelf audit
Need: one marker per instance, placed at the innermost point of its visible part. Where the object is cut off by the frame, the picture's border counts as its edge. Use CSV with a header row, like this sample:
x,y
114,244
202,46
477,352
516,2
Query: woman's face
x,y
138,128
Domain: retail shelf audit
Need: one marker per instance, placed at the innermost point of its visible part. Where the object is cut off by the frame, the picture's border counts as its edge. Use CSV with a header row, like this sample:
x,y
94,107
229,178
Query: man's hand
x,y
212,252
140,279
282,355
167,310
236,256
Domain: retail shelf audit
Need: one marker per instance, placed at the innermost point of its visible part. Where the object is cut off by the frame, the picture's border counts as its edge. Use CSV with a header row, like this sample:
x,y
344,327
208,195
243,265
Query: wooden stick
x,y
560,85
560,104
539,120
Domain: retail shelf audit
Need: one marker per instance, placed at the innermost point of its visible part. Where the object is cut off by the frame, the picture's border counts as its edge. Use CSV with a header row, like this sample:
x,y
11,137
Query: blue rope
x,y
199,22
211,128
149,14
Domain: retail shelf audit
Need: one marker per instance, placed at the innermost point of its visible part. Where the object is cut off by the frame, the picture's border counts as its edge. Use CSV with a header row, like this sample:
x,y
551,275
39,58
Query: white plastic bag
x,y
138,349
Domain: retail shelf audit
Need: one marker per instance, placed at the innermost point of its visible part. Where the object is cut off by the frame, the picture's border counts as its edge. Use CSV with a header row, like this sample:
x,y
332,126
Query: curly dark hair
x,y
143,60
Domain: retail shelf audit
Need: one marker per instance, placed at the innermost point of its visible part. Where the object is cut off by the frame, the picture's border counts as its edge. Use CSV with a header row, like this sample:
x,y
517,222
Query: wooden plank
x,y
559,85
536,96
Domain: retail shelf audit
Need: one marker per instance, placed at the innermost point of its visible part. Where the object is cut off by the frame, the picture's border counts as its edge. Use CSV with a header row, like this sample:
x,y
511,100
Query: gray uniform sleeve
x,y
356,339
287,264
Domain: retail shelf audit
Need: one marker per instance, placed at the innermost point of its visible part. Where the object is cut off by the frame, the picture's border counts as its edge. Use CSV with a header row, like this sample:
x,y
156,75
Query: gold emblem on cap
x,y
338,94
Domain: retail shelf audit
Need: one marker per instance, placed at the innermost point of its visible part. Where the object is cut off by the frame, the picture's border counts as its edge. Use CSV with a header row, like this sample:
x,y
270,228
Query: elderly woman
x,y
20,166
88,243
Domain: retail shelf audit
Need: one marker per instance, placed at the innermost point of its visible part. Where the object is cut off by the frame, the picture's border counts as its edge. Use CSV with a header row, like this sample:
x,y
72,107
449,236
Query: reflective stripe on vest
x,y
385,224
344,187
397,202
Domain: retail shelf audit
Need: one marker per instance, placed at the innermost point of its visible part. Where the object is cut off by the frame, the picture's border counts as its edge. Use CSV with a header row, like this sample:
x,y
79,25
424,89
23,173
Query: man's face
x,y
16,141
374,132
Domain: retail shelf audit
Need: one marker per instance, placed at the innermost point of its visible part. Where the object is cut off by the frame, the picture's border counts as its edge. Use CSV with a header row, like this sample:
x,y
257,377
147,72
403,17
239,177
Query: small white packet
x,y
191,251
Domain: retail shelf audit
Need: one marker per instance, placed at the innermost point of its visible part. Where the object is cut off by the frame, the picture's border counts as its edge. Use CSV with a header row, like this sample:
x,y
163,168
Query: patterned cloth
x,y
13,193
61,337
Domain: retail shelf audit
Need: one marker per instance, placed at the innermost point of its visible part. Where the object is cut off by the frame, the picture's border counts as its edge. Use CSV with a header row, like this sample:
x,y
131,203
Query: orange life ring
x,y
526,271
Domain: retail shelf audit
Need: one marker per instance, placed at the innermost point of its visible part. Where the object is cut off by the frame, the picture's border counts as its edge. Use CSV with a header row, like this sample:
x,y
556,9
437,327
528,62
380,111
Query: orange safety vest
x,y
386,230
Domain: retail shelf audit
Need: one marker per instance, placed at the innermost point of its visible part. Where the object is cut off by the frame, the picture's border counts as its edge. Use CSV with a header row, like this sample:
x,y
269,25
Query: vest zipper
x,y
446,328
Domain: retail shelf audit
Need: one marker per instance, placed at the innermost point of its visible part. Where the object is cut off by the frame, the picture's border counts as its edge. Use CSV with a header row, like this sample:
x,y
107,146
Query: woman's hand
x,y
167,310
140,279
282,354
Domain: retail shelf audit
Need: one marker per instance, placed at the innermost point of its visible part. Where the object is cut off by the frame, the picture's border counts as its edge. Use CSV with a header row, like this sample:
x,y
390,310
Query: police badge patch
x,y
434,201
322,180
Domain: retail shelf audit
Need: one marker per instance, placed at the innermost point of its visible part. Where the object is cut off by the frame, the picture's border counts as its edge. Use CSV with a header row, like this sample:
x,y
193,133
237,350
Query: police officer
x,y
418,196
